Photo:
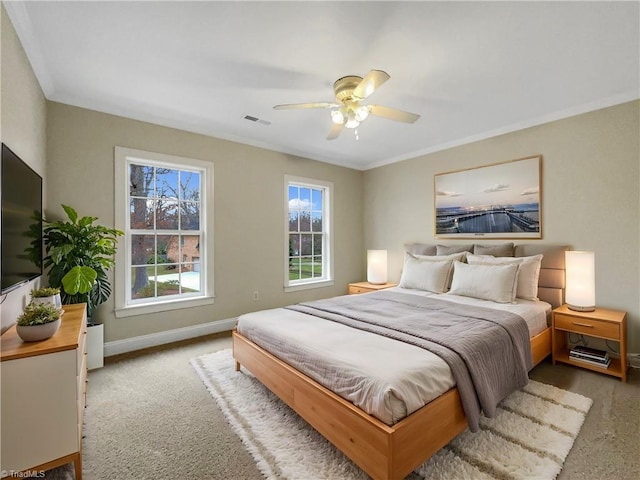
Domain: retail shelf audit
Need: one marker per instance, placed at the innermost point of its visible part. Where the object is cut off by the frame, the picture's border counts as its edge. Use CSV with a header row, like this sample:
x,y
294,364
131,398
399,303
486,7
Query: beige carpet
x,y
149,417
530,436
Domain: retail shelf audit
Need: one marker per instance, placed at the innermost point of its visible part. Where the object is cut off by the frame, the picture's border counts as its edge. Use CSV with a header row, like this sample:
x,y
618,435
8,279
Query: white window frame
x,y
327,254
123,157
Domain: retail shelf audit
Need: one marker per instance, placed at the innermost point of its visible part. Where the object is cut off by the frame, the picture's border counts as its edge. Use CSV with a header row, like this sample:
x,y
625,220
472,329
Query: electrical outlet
x,y
256,296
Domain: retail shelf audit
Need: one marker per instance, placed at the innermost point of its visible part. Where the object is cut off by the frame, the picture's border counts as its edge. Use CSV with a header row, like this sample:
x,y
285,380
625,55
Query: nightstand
x,y
365,287
601,323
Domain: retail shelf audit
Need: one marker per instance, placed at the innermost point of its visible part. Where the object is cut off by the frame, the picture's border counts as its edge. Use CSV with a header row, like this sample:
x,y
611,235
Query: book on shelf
x,y
580,353
592,362
601,361
574,353
590,352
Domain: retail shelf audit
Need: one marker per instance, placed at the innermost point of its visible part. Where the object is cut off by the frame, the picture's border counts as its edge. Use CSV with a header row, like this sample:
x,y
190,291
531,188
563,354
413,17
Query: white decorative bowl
x,y
36,333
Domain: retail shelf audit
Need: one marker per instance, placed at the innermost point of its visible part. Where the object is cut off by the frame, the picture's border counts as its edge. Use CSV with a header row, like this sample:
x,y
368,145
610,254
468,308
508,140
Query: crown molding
x,y
21,22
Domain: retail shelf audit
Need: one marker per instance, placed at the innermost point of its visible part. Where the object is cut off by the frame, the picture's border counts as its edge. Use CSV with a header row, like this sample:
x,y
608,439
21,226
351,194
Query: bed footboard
x,y
382,451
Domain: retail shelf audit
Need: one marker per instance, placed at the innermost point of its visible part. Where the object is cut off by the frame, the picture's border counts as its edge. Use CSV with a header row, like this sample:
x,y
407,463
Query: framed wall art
x,y
501,200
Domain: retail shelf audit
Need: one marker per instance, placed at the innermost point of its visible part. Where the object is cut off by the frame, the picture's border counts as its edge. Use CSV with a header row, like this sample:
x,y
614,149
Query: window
x,y
308,243
165,259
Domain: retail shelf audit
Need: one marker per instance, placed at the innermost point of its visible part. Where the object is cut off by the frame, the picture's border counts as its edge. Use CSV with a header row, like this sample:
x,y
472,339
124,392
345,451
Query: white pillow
x,y
422,273
528,272
457,256
487,282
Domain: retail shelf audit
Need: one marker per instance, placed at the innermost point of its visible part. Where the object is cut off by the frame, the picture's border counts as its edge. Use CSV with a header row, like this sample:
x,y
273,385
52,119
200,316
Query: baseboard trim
x,y
154,339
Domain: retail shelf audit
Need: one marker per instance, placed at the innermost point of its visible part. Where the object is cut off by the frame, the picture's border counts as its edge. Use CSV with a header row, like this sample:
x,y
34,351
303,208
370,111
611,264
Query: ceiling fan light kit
x,y
350,116
337,116
349,92
351,121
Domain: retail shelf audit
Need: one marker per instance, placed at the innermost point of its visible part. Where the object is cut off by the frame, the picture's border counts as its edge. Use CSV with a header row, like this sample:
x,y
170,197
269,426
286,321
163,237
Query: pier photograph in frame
x,y
501,200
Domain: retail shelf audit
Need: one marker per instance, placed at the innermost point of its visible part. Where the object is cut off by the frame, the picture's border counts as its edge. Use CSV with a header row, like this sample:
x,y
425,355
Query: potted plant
x,y
78,254
39,321
47,295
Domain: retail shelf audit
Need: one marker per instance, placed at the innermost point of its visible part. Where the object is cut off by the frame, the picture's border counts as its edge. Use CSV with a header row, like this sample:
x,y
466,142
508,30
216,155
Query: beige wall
x,y
590,196
249,210
23,120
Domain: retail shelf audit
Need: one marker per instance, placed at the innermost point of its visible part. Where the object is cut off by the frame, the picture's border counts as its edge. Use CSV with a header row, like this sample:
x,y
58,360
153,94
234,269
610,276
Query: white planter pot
x,y
95,346
36,333
53,300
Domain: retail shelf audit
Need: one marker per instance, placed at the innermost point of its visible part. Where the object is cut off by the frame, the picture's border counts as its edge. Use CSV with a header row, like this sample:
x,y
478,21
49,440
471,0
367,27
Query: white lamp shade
x,y
377,266
581,281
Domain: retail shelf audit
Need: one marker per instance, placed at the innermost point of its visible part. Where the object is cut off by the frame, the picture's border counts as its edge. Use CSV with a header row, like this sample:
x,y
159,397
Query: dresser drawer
x,y
81,352
82,378
587,326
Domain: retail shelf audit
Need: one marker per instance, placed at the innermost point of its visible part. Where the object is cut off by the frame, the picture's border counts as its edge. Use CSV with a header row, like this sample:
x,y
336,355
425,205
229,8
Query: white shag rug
x,y
529,438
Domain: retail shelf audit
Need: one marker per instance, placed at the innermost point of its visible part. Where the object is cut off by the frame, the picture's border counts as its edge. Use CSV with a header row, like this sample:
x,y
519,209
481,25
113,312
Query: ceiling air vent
x,y
251,118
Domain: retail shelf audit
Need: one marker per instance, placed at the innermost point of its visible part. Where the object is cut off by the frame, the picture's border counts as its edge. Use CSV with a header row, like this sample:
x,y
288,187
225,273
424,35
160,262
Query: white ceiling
x,y
471,69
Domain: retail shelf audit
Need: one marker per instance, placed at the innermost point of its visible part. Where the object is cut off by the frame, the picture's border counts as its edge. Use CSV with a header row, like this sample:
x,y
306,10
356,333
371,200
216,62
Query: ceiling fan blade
x,y
335,131
368,85
393,114
306,105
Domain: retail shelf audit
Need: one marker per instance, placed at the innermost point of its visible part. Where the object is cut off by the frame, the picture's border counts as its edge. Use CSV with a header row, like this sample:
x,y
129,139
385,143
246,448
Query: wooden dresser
x,y
43,397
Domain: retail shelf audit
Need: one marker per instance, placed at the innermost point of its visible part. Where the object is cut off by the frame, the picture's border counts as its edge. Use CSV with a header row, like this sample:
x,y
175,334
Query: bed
x,y
385,448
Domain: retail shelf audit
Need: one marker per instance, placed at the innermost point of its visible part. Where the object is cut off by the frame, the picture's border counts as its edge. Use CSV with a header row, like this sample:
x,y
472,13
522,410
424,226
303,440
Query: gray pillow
x,y
420,248
500,250
449,249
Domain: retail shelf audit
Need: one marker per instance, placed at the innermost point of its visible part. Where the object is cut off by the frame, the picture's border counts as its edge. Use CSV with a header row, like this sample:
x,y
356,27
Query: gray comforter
x,y
488,351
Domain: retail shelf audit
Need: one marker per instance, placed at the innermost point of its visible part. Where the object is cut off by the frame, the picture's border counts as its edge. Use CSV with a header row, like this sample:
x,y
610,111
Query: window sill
x,y
134,310
308,286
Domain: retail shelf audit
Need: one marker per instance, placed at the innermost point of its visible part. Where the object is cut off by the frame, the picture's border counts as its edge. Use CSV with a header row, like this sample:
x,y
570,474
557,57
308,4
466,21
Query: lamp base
x,y
580,308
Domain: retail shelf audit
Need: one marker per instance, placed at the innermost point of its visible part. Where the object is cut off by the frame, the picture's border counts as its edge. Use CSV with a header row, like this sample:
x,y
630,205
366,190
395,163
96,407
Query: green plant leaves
x,y
77,254
102,288
86,221
58,253
79,280
39,314
71,213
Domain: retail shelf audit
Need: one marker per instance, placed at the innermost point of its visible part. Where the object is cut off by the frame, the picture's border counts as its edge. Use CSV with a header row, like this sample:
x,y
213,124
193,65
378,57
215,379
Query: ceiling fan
x,y
348,111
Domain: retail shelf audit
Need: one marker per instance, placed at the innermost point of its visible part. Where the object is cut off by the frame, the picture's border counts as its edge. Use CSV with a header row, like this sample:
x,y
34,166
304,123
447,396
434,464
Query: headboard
x,y
552,269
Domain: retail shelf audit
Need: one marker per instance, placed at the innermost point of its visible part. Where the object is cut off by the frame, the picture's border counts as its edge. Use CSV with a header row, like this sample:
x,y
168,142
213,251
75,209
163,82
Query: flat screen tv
x,y
21,229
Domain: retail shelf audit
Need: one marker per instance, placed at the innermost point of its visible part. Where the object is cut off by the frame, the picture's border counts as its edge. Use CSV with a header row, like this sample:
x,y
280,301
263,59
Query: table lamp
x,y
580,290
377,266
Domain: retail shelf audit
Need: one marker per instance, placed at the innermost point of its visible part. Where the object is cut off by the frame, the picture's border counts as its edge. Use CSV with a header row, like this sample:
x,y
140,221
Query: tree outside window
x,y
307,232
165,231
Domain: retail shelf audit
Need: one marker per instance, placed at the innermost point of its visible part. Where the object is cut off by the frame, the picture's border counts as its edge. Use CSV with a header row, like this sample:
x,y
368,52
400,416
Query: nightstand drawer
x,y
353,290
588,326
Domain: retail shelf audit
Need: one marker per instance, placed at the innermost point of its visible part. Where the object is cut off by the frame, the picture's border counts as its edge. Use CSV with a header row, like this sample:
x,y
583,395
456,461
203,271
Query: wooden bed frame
x,y
382,451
